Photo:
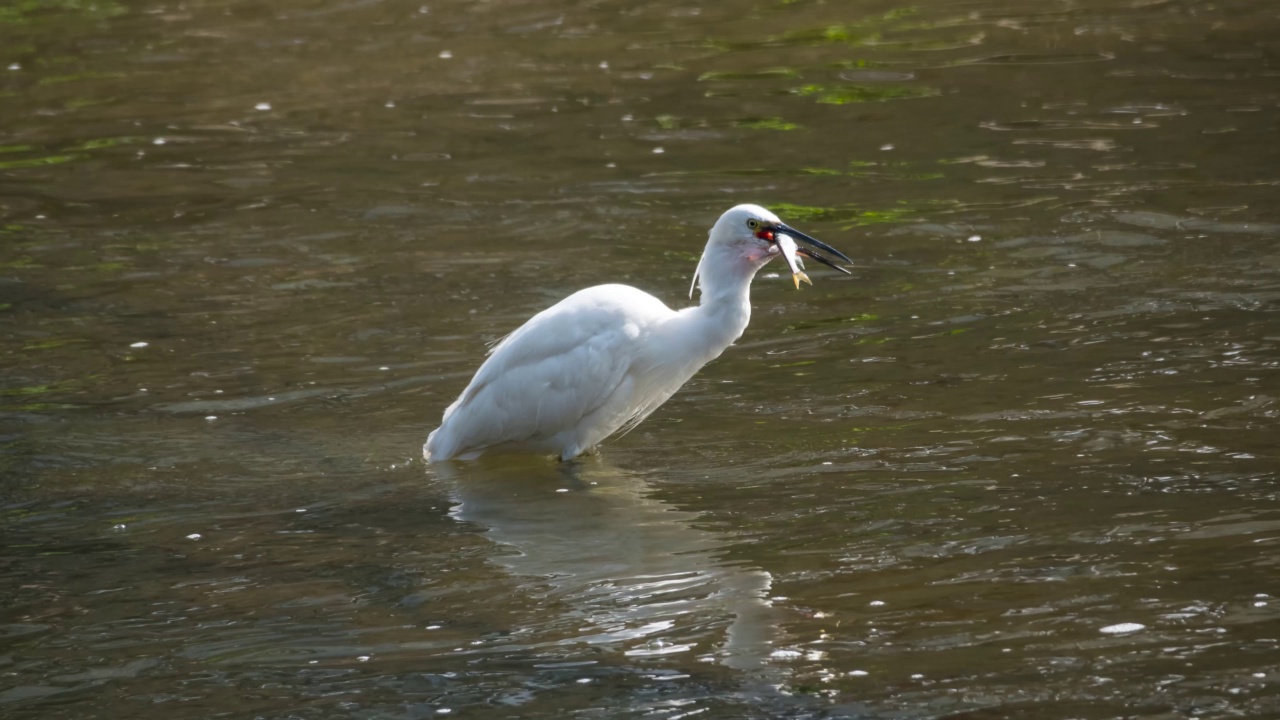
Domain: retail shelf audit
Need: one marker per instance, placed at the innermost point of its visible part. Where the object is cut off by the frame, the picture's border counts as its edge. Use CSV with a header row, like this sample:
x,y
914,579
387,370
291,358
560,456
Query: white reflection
x,y
612,565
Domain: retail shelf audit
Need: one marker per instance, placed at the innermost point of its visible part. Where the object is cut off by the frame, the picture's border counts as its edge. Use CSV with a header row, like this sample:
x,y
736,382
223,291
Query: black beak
x,y
788,230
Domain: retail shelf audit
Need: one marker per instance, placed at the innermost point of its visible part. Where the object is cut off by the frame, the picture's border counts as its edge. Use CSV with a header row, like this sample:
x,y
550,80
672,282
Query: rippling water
x,y
1021,464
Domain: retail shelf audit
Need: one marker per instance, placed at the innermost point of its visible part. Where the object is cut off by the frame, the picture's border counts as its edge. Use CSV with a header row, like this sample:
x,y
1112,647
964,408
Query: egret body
x,y
606,357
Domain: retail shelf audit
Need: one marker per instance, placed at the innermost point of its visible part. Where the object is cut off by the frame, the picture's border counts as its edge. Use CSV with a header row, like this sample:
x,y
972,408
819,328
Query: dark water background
x,y
1022,464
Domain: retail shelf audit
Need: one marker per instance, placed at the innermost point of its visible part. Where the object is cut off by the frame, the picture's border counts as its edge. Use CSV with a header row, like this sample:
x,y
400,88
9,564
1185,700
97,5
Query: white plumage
x,y
606,357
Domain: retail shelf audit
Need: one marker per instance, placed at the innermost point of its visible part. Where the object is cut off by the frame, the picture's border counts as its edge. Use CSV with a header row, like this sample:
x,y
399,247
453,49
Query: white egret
x,y
606,357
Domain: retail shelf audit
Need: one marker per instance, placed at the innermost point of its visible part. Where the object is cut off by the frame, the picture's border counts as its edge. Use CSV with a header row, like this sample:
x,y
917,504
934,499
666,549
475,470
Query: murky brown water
x,y
1022,464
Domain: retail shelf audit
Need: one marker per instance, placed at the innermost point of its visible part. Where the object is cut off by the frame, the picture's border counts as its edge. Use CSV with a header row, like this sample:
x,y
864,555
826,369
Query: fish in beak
x,y
788,248
785,236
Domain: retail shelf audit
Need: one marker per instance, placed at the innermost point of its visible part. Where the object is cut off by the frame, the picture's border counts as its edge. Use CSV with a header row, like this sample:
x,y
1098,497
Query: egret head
x,y
752,236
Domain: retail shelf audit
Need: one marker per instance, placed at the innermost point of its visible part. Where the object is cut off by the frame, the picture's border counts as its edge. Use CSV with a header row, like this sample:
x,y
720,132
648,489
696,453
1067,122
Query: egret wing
x,y
553,372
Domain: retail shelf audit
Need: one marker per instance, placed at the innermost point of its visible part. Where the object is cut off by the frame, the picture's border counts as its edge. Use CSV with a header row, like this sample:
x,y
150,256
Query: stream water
x,y
1023,463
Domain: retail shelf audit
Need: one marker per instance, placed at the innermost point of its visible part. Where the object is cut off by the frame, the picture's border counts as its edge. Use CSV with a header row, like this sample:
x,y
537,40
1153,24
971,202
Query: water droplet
x,y
210,418
658,151
15,66
975,238
262,106
194,536
446,54
119,527
887,146
390,104
857,673
876,603
604,64
917,676
362,658
158,141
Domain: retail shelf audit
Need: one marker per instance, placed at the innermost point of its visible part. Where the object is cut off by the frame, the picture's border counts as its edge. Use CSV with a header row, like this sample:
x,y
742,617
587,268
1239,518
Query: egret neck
x,y
724,274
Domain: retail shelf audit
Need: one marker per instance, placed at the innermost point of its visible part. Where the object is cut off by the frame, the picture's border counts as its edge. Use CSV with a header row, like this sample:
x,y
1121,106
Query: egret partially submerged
x,y
604,358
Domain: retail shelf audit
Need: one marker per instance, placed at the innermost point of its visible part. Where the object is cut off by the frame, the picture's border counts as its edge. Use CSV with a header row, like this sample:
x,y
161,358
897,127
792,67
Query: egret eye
x,y
753,223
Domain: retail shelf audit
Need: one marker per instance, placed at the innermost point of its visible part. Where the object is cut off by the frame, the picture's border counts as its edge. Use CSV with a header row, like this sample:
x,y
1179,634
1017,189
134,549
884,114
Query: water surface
x,y
1021,464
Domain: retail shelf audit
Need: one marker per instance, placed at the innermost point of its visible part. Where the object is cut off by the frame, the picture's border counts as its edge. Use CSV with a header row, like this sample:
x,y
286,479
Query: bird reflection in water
x,y
625,570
